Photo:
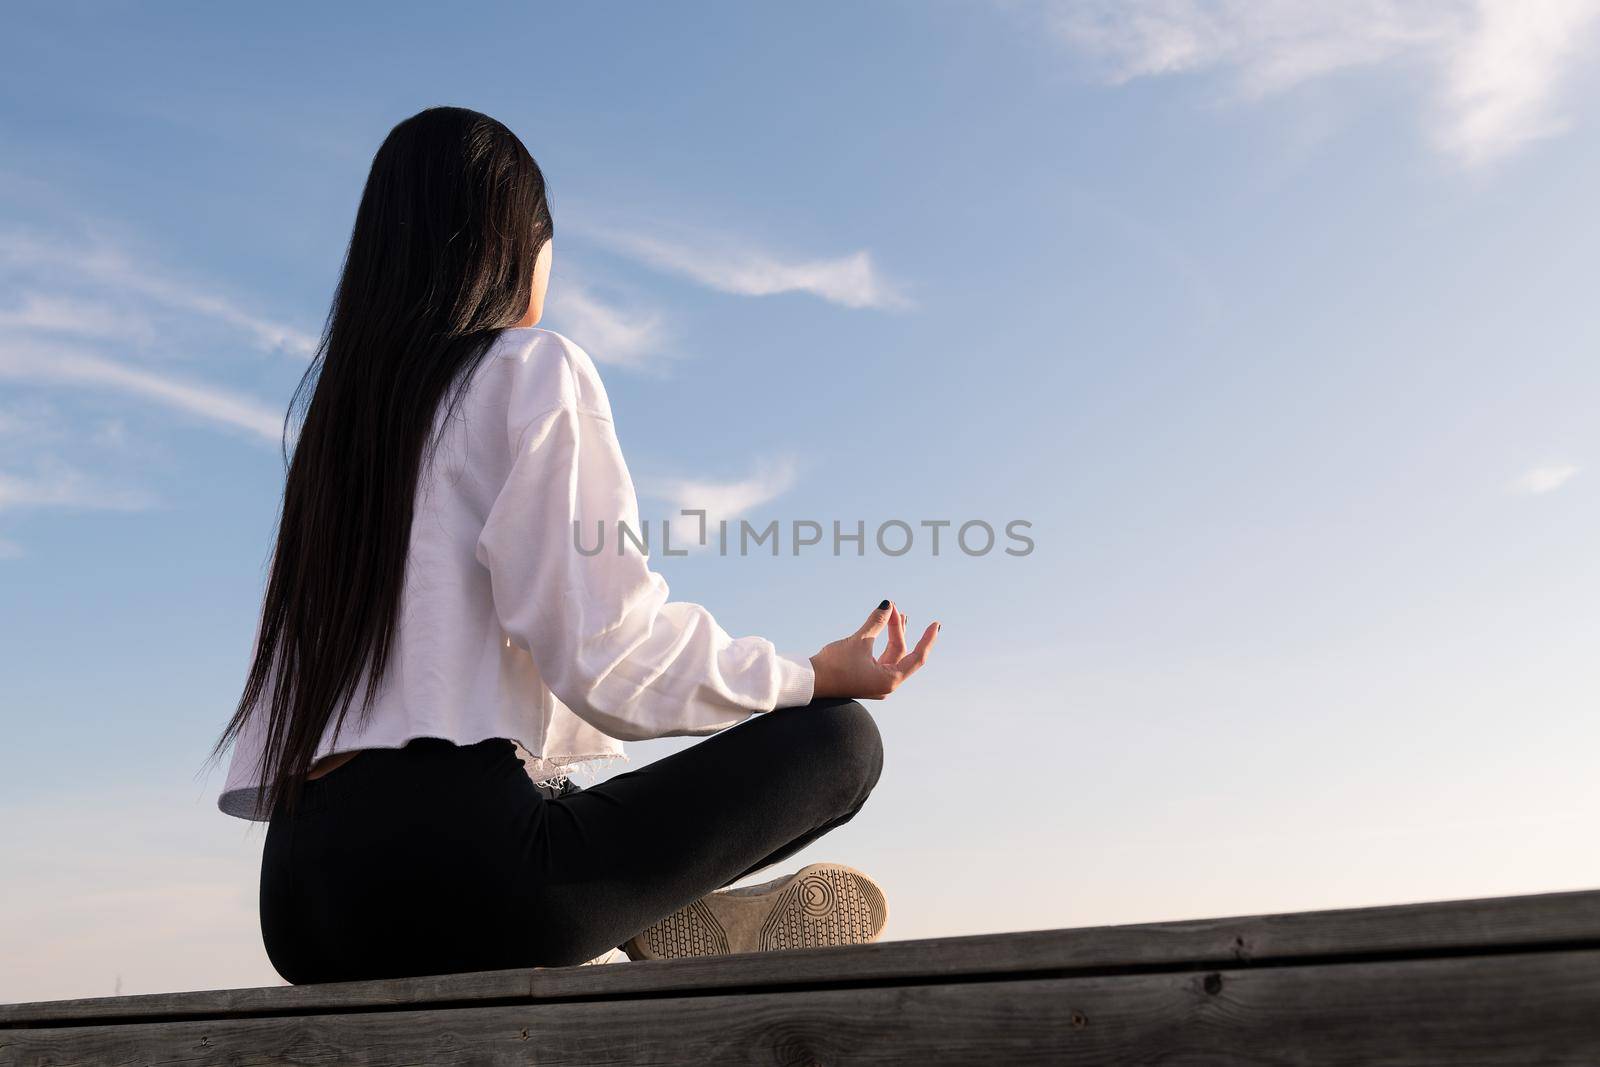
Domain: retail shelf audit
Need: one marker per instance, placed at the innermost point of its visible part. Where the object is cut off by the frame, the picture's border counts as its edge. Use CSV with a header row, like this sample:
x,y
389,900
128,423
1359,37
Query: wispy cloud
x,y
66,366
1495,69
1503,78
732,266
625,337
79,264
1545,479
58,486
82,316
54,314
726,500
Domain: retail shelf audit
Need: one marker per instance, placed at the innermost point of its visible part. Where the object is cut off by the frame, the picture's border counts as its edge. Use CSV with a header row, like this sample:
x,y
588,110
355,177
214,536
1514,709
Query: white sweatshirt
x,y
506,629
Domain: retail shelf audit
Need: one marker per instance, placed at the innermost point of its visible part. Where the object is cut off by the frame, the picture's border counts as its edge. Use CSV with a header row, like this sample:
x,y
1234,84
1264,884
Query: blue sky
x,y
1274,320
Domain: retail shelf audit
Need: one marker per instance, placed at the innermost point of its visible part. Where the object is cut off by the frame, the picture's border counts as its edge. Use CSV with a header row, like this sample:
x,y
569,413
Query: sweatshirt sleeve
x,y
598,625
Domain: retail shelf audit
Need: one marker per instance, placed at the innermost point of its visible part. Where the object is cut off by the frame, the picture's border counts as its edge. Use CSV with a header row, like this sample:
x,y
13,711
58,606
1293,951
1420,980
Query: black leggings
x,y
437,858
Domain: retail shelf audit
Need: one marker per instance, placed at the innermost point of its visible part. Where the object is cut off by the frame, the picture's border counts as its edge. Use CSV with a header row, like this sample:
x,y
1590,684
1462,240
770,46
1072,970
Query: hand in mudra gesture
x,y
847,667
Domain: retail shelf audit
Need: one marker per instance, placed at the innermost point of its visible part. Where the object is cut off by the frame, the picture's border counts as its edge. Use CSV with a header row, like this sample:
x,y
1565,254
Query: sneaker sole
x,y
819,905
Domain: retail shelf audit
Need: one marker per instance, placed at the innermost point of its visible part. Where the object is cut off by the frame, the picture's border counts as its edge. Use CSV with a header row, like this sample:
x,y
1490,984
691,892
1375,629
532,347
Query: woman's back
x,y
454,673
505,629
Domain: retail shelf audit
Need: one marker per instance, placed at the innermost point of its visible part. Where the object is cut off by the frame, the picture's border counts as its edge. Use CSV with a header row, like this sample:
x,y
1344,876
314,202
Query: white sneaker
x,y
820,904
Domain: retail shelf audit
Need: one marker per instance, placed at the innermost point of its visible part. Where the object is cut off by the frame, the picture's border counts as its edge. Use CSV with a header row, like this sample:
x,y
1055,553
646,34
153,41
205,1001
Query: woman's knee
x,y
849,739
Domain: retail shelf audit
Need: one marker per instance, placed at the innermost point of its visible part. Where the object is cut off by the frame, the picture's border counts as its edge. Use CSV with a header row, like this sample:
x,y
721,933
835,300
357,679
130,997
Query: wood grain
x,y
1517,1009
1483,927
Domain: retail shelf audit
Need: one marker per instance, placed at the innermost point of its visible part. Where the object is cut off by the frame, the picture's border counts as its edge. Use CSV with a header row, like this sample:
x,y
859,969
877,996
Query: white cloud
x,y
80,316
732,267
1545,479
1496,67
723,500
67,366
1270,45
625,337
44,313
1503,78
56,485
75,265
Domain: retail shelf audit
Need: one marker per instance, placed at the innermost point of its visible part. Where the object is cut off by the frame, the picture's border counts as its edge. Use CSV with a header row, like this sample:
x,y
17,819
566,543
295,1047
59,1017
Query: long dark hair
x,y
441,259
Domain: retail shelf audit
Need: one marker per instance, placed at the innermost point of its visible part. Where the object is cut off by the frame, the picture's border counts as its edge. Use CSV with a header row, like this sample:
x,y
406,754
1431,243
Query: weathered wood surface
x,y
1506,981
1525,1009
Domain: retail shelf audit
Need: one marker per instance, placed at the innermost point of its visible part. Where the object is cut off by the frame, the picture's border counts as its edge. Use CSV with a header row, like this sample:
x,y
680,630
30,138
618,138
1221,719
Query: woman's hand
x,y
847,667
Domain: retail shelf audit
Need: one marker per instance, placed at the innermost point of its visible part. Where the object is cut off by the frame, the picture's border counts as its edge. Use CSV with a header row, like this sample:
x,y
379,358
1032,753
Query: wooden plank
x,y
1498,924
1514,1010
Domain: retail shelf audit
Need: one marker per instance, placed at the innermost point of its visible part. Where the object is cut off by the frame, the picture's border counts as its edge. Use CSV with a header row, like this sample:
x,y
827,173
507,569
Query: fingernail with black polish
x,y
883,605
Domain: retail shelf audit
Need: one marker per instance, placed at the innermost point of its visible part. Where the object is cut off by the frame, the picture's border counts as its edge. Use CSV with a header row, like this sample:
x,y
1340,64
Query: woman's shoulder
x,y
548,370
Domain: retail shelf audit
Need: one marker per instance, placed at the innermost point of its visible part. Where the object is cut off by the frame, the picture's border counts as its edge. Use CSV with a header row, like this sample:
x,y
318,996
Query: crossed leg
x,y
615,857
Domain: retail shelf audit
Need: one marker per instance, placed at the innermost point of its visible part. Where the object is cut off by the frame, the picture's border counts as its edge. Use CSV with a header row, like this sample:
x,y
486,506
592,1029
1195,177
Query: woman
x,y
427,571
